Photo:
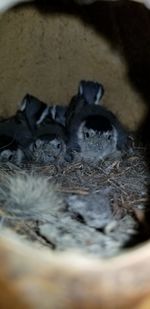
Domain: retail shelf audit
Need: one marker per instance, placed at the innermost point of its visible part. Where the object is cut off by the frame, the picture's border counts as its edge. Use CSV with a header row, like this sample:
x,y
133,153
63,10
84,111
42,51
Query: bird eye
x,y
10,157
35,146
87,134
109,136
59,146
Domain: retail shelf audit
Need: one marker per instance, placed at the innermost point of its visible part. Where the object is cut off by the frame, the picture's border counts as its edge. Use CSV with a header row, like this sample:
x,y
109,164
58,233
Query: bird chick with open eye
x,y
50,144
34,111
96,145
94,133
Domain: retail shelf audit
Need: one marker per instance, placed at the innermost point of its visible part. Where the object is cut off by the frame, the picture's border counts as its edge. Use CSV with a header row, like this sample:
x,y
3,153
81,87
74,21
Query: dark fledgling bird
x,y
50,144
34,111
32,134
37,111
94,133
15,138
91,91
58,113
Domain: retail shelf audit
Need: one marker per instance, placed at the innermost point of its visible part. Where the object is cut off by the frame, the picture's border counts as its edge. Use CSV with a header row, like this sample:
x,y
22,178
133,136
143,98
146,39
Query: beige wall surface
x,y
47,52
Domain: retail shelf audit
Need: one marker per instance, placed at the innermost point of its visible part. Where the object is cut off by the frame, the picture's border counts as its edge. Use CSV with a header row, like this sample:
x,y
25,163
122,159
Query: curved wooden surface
x,y
36,278
7,4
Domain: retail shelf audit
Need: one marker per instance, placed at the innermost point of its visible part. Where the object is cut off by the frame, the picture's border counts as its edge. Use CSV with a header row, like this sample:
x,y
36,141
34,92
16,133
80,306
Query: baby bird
x,y
91,91
34,111
17,132
47,151
94,133
58,113
32,134
96,145
50,144
15,138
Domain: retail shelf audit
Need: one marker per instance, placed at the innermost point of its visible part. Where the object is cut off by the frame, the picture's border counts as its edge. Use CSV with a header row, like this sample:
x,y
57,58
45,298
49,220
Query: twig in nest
x,y
74,191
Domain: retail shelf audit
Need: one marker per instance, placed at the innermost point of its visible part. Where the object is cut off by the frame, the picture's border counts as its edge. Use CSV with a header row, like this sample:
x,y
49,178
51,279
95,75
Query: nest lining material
x,y
100,208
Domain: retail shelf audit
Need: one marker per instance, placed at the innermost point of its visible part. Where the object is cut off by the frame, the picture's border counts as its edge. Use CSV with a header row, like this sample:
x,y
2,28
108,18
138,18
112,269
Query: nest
x,y
102,209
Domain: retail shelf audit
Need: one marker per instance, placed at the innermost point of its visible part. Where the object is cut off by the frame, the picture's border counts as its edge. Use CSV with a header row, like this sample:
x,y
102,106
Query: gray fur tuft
x,y
29,197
